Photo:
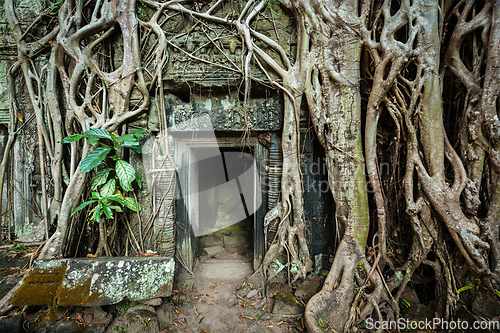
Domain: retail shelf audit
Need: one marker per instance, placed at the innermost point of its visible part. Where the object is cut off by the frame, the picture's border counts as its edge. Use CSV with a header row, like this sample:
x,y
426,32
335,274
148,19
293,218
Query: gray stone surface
x,y
164,315
140,319
309,287
96,281
12,324
287,307
486,304
418,313
153,301
224,270
253,293
97,316
68,326
210,251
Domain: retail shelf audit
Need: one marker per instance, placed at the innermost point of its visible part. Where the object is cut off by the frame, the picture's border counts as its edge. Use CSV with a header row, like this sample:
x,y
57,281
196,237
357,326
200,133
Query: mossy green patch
x,y
76,295
39,287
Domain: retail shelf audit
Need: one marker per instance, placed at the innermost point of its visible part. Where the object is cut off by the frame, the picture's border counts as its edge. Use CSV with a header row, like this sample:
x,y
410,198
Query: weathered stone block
x,y
138,279
96,281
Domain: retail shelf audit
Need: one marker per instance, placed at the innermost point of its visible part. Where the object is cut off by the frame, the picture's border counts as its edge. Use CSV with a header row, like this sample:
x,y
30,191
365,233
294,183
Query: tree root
x,y
330,307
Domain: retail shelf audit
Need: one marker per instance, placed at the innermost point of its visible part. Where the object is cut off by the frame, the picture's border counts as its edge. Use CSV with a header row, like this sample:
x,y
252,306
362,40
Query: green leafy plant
x,y
20,248
112,180
360,266
114,176
269,5
54,9
140,9
127,305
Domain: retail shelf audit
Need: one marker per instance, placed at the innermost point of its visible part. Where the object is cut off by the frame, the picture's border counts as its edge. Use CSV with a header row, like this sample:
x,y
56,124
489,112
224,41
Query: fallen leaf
x,y
254,303
195,312
90,255
79,317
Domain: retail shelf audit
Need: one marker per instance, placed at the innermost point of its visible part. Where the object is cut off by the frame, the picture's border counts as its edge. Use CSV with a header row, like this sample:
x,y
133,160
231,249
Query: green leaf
x,y
100,177
107,210
131,204
140,133
138,180
464,288
125,173
96,195
98,212
117,208
117,199
126,138
320,321
72,138
94,158
93,141
83,205
98,133
135,146
109,188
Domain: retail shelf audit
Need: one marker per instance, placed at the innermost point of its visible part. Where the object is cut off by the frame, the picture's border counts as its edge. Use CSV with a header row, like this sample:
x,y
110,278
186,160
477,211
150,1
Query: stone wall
x,y
193,86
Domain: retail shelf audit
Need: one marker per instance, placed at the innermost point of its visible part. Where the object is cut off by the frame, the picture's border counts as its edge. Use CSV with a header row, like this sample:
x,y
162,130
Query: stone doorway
x,y
226,208
223,205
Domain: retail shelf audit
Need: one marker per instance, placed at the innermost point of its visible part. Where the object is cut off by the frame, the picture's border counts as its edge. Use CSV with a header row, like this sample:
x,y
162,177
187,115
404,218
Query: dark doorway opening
x,y
226,187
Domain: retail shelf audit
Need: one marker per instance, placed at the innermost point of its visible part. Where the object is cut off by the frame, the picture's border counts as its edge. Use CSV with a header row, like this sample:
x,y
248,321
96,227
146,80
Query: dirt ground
x,y
218,297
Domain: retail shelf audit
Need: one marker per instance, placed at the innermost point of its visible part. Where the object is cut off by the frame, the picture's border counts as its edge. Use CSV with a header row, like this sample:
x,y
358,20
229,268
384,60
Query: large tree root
x,y
330,307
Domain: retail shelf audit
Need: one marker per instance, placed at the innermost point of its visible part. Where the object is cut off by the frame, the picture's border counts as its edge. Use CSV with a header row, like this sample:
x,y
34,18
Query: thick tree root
x,y
330,307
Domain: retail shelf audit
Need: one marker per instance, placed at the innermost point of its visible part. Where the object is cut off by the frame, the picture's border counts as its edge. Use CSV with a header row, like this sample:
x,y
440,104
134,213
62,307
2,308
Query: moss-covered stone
x,y
96,281
39,287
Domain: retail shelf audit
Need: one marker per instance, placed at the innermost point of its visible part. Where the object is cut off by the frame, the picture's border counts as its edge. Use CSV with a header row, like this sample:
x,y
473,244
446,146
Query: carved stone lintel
x,y
226,113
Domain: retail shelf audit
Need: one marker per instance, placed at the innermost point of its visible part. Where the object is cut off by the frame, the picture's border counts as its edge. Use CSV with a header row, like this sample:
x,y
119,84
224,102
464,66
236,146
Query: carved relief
x,y
210,55
226,113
